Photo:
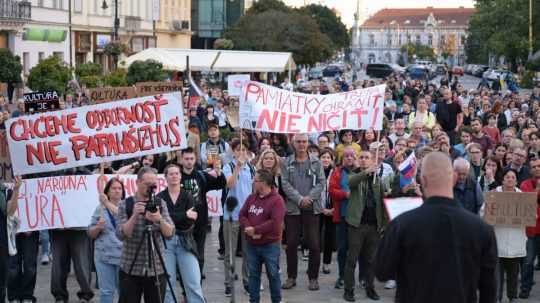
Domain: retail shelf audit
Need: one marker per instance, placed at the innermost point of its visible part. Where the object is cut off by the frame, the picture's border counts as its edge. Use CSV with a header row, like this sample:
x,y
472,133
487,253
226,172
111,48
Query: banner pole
x,y
377,154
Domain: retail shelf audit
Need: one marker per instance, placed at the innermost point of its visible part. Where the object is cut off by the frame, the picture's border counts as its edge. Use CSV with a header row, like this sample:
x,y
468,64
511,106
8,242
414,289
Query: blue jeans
x,y
257,255
343,245
187,262
44,241
107,275
527,271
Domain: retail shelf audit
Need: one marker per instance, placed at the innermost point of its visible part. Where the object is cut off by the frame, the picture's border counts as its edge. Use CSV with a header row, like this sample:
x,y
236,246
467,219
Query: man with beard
x,y
198,183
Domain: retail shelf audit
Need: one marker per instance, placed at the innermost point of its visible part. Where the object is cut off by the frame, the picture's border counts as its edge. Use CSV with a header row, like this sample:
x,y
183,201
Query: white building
x,y
444,29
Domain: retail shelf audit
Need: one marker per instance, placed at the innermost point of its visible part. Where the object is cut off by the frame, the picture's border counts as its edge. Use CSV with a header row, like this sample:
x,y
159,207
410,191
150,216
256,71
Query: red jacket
x,y
529,185
336,193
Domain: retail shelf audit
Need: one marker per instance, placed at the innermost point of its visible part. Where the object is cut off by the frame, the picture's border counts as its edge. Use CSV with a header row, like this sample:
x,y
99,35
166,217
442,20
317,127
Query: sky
x,y
347,8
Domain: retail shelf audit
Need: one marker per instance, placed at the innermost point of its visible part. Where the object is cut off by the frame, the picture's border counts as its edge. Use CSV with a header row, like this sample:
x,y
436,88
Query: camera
x,y
151,205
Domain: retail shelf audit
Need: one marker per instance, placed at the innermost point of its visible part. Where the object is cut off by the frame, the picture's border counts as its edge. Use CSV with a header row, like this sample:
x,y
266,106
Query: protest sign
x,y
38,102
397,206
96,133
157,88
213,198
6,173
108,94
235,84
511,209
271,109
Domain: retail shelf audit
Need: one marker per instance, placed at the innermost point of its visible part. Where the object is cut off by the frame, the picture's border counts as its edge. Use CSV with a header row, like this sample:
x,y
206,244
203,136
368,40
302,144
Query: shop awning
x,y
215,60
44,34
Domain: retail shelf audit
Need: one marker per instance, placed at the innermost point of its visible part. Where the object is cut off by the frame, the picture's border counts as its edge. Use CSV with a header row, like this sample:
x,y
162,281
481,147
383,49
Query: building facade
x,y
382,36
173,26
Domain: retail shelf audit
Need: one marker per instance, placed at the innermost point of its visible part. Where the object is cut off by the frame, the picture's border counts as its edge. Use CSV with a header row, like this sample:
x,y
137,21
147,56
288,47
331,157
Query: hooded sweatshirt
x,y
266,215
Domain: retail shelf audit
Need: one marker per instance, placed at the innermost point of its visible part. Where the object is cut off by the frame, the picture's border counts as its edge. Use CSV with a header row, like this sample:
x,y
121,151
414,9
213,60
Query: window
x,y
389,39
151,42
26,63
399,39
418,40
61,4
59,55
371,40
408,38
463,39
442,40
77,7
137,44
430,40
41,56
40,3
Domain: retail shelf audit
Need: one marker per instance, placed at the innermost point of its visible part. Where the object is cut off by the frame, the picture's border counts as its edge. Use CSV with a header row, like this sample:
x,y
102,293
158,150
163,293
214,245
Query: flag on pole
x,y
407,170
195,93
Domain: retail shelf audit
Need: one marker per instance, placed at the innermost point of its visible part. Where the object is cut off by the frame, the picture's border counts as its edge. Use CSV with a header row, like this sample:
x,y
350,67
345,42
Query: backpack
x,y
221,146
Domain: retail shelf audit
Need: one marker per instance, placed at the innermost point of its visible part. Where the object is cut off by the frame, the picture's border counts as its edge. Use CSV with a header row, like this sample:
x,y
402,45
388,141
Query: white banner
x,y
397,206
96,133
267,108
235,83
213,198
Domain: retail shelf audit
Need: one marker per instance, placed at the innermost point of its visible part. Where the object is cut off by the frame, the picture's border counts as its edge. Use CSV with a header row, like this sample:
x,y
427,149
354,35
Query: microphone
x,y
231,203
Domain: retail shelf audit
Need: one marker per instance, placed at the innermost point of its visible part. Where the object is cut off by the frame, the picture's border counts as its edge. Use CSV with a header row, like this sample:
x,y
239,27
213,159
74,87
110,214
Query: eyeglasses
x,y
475,151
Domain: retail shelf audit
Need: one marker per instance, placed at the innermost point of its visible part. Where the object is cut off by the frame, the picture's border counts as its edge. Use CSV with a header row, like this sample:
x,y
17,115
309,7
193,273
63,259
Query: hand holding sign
x,y
192,214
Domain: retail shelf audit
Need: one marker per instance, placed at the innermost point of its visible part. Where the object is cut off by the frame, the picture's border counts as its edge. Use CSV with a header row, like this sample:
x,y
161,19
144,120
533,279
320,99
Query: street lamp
x,y
105,6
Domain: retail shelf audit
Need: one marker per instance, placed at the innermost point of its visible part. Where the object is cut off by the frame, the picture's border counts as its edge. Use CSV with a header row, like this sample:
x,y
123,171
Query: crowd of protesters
x,y
303,194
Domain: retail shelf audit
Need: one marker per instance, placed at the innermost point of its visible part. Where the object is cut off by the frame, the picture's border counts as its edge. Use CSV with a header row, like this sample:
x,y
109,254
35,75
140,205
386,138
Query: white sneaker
x,y
390,284
45,260
262,287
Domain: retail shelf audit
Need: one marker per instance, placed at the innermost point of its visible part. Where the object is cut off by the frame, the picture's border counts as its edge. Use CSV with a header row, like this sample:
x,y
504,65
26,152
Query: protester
x,y
366,218
181,250
107,246
261,219
303,181
137,277
441,273
466,189
328,228
12,267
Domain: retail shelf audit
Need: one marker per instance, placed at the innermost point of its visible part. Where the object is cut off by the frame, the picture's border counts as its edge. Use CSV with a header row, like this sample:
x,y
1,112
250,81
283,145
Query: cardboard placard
x,y
511,209
157,88
235,83
108,94
39,102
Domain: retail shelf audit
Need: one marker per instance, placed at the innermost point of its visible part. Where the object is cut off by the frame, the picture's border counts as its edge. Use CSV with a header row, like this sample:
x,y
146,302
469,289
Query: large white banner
x,y
235,84
70,201
268,108
96,133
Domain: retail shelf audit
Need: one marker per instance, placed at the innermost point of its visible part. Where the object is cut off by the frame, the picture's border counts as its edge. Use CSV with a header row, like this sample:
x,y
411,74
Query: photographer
x,y
137,274
181,248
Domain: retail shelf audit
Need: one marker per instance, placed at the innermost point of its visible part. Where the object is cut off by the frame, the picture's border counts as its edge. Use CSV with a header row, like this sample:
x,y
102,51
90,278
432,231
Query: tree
x,y
89,74
142,71
223,44
49,74
262,6
501,27
449,48
329,24
420,50
10,67
116,78
282,32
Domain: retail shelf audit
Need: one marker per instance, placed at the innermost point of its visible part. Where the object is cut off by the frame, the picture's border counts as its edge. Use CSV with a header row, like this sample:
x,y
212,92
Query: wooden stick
x,y
377,154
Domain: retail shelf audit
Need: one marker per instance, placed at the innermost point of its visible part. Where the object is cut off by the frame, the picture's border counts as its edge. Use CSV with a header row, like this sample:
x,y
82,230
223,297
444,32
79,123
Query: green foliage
x,y
501,27
262,6
116,78
88,69
115,48
142,71
329,24
528,80
10,67
90,81
420,50
281,31
49,74
223,44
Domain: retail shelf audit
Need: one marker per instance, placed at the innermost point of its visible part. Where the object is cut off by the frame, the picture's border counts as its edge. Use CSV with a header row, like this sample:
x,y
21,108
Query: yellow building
x,y
173,25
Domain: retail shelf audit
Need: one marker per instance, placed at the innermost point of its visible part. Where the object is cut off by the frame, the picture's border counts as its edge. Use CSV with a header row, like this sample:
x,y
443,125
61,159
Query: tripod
x,y
151,262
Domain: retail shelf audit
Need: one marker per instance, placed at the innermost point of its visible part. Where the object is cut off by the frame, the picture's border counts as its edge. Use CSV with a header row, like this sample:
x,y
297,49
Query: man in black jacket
x,y
198,183
439,252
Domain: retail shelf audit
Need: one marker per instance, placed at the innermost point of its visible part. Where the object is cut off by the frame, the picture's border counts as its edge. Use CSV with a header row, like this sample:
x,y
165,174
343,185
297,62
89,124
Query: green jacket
x,y
358,183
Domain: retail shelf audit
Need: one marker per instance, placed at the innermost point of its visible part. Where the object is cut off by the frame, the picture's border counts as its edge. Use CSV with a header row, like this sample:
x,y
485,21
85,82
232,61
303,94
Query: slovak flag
x,y
195,93
407,171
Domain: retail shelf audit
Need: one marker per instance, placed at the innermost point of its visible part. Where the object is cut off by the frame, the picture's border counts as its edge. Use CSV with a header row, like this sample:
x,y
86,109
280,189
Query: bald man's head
x,y
437,174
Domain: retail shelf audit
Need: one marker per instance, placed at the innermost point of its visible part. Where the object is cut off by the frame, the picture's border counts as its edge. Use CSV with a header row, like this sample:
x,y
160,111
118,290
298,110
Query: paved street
x,y
214,289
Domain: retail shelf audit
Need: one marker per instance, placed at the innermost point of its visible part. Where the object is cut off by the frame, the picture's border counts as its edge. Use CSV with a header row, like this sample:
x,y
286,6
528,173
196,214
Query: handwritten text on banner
x,y
267,108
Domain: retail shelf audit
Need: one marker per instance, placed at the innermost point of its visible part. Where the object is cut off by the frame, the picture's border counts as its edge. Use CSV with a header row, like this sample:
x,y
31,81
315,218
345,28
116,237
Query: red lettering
x,y
31,224
252,88
330,119
56,159
56,209
43,202
35,152
291,125
264,117
375,115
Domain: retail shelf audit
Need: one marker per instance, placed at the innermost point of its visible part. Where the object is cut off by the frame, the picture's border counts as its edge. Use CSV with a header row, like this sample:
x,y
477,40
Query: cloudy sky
x,y
348,7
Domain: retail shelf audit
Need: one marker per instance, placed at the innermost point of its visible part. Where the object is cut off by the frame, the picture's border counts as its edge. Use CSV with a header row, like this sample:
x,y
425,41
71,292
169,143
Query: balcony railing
x,y
15,10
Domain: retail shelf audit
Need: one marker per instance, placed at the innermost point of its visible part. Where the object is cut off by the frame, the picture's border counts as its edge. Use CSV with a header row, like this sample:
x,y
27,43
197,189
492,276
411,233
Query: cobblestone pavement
x,y
214,289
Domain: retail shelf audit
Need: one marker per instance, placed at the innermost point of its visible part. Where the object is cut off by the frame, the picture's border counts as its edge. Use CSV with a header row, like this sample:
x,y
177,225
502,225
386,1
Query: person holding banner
x,y
181,249
9,241
107,246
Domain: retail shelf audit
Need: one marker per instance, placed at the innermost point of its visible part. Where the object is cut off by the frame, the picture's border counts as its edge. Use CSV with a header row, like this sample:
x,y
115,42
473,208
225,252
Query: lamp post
x,y
70,35
104,6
